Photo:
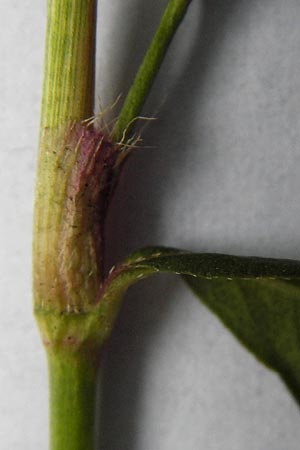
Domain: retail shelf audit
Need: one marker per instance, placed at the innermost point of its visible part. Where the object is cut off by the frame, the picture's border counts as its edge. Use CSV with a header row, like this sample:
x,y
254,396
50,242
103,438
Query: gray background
x,y
223,176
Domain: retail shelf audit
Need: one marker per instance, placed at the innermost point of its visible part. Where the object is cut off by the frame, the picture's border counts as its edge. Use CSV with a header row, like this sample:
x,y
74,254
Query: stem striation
x,y
69,71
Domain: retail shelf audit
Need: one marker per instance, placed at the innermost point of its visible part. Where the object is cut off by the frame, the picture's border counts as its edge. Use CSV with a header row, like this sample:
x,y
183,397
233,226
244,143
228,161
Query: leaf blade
x,y
264,316
214,265
258,299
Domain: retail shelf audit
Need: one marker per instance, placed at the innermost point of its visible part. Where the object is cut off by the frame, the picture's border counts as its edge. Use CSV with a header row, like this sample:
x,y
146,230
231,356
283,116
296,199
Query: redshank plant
x,y
75,302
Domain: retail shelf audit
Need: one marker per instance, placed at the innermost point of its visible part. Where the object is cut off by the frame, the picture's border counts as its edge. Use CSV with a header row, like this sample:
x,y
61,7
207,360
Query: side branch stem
x,y
149,68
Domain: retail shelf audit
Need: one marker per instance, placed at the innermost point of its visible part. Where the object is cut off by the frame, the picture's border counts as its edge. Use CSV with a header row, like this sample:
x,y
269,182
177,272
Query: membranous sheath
x,y
77,172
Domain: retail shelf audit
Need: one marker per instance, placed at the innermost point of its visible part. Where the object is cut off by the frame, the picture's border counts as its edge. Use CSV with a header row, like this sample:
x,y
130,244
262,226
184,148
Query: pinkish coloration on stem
x,y
70,221
91,184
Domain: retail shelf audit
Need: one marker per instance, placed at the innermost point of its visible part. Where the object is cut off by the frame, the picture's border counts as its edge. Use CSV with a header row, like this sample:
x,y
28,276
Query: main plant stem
x,y
63,258
69,72
77,168
72,380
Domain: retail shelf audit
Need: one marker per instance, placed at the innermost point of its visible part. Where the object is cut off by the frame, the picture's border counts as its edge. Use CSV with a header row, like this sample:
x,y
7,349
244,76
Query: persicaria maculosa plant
x,y
75,301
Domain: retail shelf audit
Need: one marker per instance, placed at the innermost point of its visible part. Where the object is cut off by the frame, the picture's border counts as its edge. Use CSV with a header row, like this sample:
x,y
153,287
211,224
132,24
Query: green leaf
x,y
264,315
256,298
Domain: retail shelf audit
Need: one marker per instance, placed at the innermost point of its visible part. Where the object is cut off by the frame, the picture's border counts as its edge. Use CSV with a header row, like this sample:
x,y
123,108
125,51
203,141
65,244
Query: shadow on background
x,y
133,223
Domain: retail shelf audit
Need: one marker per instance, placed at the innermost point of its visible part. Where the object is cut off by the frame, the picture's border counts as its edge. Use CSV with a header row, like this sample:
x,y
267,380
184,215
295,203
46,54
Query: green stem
x,y
61,276
72,380
68,90
68,98
149,68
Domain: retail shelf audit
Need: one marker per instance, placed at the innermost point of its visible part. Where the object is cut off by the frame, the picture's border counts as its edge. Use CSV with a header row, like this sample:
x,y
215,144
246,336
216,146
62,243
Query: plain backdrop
x,y
223,175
